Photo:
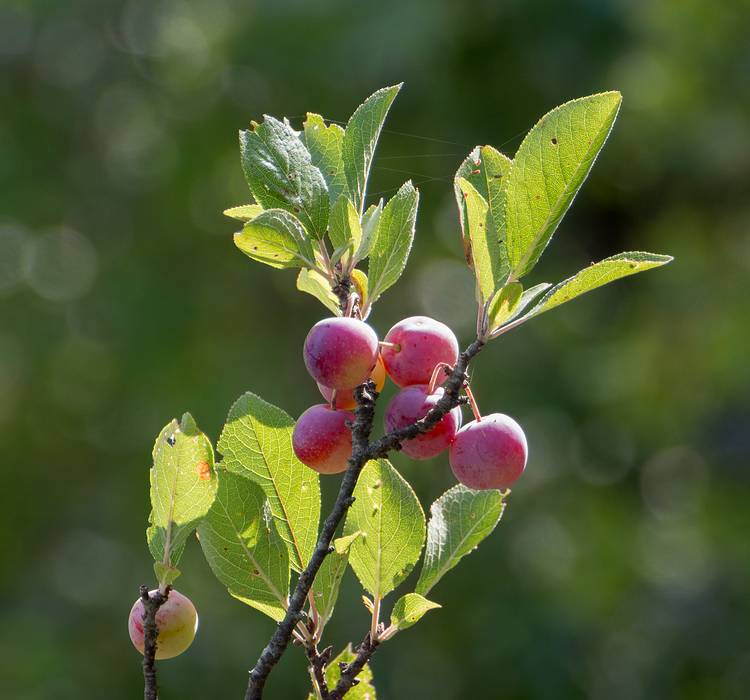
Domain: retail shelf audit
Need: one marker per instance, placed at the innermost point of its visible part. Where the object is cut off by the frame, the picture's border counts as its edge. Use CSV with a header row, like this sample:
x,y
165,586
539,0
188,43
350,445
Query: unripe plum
x,y
340,353
176,622
322,440
345,399
413,403
419,343
489,453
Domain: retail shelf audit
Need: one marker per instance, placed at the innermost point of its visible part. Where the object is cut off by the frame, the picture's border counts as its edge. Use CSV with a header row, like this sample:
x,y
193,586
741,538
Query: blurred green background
x,y
622,566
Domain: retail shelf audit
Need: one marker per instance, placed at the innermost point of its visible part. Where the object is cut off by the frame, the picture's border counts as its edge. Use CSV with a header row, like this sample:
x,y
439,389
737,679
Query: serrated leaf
x,y
257,443
459,520
344,228
360,139
327,582
494,167
244,212
597,275
183,487
393,241
409,609
392,523
370,221
548,170
280,173
486,169
314,283
483,244
276,238
244,553
324,143
364,690
504,304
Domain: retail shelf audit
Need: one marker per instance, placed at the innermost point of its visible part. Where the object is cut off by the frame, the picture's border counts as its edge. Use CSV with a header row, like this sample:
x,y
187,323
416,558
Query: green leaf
x,y
276,238
504,304
364,690
409,609
257,443
486,169
183,487
494,168
328,580
166,574
597,275
392,523
459,520
244,212
243,551
313,282
280,173
361,138
500,318
324,143
344,228
548,170
484,248
370,221
392,244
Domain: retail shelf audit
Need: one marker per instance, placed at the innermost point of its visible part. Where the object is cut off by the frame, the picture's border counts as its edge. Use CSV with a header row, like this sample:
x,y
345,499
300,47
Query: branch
x,y
318,662
365,413
448,401
349,672
362,451
151,604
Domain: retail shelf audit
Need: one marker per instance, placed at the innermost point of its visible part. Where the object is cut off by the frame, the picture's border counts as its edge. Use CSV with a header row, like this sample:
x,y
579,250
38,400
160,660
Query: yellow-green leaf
x,y
410,609
316,284
244,212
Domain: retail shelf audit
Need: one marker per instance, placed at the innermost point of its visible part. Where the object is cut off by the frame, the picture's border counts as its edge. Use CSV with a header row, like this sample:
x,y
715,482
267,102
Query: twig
x,y
318,662
362,451
350,671
151,604
449,400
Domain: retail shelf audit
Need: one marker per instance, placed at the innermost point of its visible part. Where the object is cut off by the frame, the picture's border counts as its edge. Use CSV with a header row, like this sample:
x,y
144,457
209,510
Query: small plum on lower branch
x,y
176,623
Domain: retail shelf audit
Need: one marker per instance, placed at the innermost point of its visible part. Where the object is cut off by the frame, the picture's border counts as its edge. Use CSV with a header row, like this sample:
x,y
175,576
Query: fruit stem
x,y
436,373
473,402
394,346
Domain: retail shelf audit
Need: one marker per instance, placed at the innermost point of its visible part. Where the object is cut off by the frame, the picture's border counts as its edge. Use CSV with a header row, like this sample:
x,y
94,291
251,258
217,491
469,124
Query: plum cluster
x,y
341,353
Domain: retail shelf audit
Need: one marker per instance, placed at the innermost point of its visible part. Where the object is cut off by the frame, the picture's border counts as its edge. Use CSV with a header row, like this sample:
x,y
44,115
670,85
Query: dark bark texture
x,y
151,604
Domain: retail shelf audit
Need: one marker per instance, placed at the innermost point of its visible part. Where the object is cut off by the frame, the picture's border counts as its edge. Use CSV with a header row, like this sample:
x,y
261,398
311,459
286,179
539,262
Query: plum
x,y
340,353
345,399
414,346
322,440
413,403
489,453
176,622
